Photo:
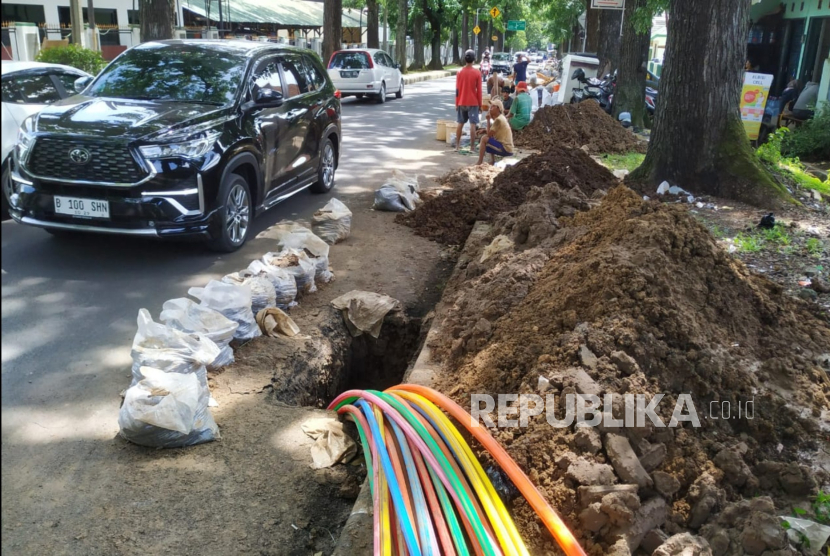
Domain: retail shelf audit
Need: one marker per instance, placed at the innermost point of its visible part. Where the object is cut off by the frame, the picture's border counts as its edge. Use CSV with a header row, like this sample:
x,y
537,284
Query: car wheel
x,y
235,214
382,95
399,94
325,173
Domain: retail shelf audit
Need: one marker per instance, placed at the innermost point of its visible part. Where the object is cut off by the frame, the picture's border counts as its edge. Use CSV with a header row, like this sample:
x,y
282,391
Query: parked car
x,y
367,72
180,138
27,88
502,62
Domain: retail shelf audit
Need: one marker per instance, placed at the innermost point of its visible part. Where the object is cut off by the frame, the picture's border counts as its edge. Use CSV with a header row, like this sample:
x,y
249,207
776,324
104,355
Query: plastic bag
x,y
285,287
298,264
173,351
167,410
291,235
333,222
263,293
331,443
389,199
232,301
186,315
406,186
274,323
364,311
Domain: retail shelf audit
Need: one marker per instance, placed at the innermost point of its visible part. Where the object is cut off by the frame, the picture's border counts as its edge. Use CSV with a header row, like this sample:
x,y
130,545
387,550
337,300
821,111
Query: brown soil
x,y
448,218
471,177
643,280
578,125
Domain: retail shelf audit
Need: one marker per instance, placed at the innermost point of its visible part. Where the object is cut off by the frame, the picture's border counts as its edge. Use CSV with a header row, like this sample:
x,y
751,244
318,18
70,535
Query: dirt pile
x,y
482,193
570,168
635,297
577,125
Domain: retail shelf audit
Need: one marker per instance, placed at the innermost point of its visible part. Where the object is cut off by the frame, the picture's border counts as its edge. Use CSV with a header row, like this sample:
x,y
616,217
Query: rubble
x,y
625,461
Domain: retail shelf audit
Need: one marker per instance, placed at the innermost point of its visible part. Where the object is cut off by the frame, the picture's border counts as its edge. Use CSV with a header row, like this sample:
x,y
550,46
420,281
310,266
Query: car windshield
x,y
349,60
180,72
501,57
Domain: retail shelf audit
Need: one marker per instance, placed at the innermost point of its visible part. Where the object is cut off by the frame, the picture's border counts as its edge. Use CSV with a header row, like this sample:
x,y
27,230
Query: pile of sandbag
x,y
232,300
399,194
333,222
191,318
166,405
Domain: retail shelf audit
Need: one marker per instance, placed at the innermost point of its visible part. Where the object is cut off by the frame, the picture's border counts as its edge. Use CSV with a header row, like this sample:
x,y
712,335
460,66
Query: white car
x,y
28,87
365,72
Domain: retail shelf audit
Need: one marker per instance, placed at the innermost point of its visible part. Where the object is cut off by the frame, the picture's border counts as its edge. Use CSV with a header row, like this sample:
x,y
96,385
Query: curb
x,y
357,537
428,76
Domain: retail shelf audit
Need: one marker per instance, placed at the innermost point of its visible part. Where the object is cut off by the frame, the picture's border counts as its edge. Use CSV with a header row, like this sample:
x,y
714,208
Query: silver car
x,y
366,72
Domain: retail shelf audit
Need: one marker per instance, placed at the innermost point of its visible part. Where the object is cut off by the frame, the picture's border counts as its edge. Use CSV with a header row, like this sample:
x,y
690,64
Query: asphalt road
x,y
69,305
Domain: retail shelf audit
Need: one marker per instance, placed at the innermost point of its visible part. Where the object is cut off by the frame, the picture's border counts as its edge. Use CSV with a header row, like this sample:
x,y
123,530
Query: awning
x,y
761,8
283,13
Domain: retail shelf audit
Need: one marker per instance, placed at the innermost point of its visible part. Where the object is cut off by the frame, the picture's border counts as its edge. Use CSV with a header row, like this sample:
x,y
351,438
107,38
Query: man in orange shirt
x,y
467,98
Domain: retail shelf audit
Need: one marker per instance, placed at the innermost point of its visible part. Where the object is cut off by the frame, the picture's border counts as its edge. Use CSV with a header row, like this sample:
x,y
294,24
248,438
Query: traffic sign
x,y
476,29
495,37
607,4
495,12
517,25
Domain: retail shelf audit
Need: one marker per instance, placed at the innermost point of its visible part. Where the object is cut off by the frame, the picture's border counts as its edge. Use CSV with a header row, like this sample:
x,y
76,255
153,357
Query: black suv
x,y
180,138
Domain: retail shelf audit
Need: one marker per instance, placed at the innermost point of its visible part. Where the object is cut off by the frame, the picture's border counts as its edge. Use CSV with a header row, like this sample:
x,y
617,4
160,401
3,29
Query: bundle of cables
x,y
430,494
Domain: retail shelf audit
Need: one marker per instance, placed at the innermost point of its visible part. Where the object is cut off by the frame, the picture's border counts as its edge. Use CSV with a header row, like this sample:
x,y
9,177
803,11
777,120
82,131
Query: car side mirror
x,y
264,98
81,83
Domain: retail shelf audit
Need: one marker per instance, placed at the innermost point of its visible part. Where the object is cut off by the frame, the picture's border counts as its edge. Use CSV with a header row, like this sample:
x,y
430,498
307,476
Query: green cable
x,y
367,455
466,503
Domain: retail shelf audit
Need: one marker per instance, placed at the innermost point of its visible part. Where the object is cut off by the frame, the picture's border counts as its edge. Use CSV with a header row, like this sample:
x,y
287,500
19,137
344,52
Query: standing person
x,y
519,115
494,84
468,97
485,65
520,69
498,140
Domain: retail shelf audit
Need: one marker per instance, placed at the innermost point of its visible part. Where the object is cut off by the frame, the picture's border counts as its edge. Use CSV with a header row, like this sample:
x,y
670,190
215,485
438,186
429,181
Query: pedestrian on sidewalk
x,y
520,69
498,139
468,98
519,115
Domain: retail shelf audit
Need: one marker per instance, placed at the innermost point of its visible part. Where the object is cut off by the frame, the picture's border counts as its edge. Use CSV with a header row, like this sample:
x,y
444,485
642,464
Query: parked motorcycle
x,y
600,91
651,100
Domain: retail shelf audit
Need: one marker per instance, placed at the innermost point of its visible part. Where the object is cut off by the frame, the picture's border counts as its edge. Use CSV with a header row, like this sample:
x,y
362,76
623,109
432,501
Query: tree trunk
x,y
456,55
698,140
609,40
400,34
631,77
591,28
333,28
372,24
435,63
156,20
465,31
434,15
418,62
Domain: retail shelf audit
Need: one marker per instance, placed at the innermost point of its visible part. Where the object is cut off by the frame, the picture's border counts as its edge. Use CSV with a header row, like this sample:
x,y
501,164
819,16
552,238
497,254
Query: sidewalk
x,y
410,78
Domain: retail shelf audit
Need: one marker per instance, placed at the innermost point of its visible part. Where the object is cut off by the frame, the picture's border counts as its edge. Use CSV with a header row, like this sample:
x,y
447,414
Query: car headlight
x,y
193,147
25,140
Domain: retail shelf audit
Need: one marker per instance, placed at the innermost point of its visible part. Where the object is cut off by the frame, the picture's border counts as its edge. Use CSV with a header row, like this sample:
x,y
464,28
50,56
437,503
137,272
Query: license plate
x,y
85,208
350,74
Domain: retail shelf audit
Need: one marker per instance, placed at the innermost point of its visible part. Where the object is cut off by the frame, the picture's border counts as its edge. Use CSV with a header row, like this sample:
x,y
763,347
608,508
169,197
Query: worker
x,y
520,69
468,98
520,112
494,84
506,99
498,140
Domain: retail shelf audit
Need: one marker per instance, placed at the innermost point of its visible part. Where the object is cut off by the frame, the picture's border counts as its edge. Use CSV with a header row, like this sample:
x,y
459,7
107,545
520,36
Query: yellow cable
x,y
386,531
503,525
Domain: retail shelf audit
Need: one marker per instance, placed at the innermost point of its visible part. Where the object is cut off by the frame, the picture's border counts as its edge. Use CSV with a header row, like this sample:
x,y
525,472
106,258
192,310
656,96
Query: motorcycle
x,y
601,91
651,100
485,69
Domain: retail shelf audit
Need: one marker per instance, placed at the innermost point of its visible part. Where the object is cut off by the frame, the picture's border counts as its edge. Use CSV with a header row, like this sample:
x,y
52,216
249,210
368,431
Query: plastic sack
x,y
298,264
333,222
232,301
331,443
167,410
263,293
291,235
162,347
364,311
186,315
285,287
407,186
389,199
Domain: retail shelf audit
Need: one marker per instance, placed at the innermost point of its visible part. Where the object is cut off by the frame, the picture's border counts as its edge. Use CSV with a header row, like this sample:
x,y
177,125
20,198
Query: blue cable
x,y
392,480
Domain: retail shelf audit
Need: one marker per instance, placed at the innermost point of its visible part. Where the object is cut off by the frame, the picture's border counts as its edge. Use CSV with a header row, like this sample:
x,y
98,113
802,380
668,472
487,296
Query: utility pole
x,y
76,18
221,25
385,26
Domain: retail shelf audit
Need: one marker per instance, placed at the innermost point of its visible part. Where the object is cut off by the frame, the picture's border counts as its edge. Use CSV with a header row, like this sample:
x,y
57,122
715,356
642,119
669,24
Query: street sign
x,y
517,25
476,29
495,12
607,4
495,37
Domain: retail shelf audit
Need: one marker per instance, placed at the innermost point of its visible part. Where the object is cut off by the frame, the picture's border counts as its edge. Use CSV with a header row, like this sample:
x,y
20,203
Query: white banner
x,y
608,4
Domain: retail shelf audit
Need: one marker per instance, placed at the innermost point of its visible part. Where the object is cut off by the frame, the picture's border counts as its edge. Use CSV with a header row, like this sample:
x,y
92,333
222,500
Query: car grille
x,y
108,162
